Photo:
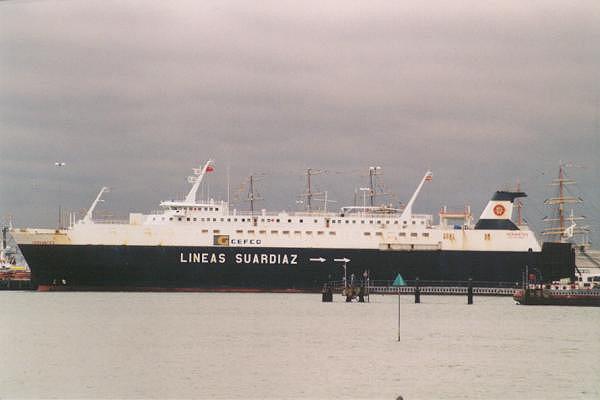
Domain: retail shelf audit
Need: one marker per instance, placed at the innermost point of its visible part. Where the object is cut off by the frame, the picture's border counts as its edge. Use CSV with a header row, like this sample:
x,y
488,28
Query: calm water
x,y
199,345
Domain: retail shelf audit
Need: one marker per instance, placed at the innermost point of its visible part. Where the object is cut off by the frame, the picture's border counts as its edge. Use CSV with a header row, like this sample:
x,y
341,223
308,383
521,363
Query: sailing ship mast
x,y
558,230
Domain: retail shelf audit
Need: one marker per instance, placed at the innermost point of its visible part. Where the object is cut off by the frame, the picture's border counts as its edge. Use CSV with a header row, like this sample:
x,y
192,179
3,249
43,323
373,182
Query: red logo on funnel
x,y
499,210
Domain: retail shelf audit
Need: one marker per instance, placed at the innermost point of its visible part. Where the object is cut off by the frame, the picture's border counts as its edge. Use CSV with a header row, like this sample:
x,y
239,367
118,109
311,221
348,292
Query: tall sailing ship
x,y
193,244
566,227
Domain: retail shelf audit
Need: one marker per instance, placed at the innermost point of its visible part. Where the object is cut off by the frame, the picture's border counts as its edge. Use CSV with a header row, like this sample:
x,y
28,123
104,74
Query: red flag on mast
x,y
209,168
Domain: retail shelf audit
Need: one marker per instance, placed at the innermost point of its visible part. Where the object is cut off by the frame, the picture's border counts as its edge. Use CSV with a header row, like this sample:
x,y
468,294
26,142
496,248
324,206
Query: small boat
x,y
560,294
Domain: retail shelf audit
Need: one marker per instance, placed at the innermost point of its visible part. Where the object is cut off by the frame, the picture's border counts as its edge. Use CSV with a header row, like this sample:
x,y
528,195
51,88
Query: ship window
x,y
216,231
289,220
402,234
320,232
216,208
333,221
228,219
179,218
277,220
371,221
171,219
163,218
347,221
210,208
297,232
396,222
204,230
339,221
362,222
426,234
309,232
274,232
378,222
188,218
487,236
332,232
367,233
422,222
250,231
413,234
195,219
239,231
262,232
214,219
262,220
301,221
378,233
387,222
222,220
414,222
315,221
353,221
286,232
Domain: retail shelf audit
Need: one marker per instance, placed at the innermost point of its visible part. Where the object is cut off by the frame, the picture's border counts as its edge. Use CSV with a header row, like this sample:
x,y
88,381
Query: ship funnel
x,y
498,212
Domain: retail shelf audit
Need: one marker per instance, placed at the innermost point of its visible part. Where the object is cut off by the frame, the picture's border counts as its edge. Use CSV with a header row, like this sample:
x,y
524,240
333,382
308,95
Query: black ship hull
x,y
104,267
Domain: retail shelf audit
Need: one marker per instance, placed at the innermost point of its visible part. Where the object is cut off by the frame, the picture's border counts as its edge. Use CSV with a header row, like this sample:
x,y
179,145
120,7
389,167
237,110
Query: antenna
x,y
325,201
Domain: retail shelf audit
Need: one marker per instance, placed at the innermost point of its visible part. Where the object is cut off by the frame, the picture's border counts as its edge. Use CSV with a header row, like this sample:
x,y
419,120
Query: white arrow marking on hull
x,y
342,259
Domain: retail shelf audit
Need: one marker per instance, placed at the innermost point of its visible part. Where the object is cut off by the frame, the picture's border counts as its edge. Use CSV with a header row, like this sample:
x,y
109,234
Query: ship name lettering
x,y
203,258
264,258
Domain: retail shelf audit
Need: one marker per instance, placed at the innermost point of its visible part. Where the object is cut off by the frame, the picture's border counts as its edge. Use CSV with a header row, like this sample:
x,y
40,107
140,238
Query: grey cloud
x,y
133,94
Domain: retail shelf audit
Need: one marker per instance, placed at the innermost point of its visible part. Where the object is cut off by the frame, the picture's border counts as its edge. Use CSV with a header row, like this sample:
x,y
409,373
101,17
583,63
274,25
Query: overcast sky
x,y
133,94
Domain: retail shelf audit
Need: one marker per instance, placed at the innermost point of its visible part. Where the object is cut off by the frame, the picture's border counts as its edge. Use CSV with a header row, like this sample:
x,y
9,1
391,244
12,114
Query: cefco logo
x,y
499,210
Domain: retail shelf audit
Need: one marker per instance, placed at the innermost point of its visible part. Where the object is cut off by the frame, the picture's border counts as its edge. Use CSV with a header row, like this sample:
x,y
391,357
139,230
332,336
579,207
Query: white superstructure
x,y
190,222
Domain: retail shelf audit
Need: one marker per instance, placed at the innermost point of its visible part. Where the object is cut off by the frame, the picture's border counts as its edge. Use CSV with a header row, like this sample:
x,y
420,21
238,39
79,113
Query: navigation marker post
x,y
399,281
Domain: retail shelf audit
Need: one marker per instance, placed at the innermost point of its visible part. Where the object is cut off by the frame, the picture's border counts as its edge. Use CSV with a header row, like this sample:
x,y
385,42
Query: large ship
x,y
193,244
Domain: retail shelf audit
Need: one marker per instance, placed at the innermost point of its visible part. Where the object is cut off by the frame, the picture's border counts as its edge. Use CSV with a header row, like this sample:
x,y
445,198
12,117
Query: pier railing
x,y
481,288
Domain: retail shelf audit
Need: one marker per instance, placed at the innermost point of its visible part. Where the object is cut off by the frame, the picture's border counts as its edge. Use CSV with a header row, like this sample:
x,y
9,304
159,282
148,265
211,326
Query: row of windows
x,y
264,232
333,221
272,232
413,234
195,208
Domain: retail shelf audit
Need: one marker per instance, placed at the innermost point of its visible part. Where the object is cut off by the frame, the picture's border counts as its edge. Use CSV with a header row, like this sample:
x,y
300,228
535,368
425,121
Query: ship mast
x,y
558,231
373,171
252,196
519,206
309,194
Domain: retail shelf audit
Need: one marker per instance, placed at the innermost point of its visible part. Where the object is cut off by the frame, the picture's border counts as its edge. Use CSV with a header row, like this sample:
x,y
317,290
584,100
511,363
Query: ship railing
x,y
112,221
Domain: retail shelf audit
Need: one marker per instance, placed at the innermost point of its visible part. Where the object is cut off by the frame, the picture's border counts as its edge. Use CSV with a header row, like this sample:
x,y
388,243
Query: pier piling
x,y
470,292
417,291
